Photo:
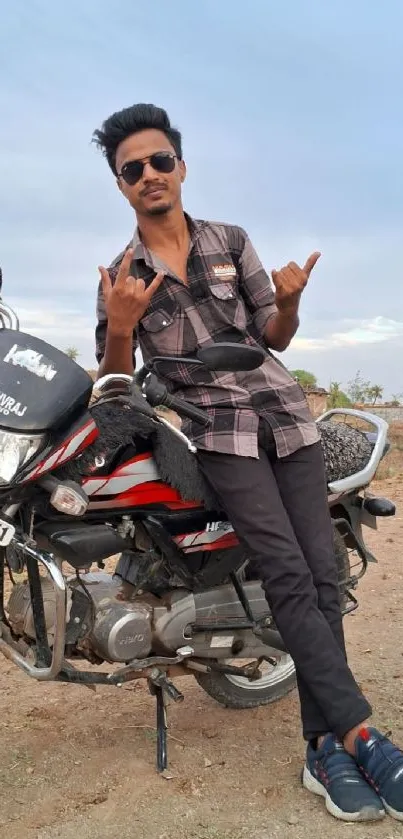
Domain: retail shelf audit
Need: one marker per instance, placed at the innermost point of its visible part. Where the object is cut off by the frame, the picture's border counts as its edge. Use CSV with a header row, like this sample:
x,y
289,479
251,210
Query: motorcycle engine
x,y
103,627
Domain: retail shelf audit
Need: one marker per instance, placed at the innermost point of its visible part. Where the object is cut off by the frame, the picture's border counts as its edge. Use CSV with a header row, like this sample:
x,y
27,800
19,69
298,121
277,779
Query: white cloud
x,y
370,331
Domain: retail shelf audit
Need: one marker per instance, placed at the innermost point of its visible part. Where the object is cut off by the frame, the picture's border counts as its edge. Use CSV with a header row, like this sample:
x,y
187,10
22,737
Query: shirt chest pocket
x,y
161,332
228,304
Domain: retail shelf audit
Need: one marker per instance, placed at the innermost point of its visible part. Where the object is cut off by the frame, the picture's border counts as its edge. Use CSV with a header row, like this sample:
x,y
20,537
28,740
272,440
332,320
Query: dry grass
x,y
392,465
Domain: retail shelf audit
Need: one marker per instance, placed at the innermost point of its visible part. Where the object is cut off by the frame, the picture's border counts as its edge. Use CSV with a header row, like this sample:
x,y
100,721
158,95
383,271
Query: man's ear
x,y
182,170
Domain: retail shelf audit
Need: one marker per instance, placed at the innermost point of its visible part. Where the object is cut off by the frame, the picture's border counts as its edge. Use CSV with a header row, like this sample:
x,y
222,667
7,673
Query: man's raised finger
x,y
124,268
311,262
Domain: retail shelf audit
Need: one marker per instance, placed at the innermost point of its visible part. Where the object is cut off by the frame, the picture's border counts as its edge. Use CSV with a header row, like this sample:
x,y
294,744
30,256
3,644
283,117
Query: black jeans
x,y
279,509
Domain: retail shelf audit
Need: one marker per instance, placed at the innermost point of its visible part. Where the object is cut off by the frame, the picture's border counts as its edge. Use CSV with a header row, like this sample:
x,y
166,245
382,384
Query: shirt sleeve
x,y
102,320
255,284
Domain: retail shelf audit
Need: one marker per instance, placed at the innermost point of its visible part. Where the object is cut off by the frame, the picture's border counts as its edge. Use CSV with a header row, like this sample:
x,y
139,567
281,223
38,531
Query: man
x,y
183,284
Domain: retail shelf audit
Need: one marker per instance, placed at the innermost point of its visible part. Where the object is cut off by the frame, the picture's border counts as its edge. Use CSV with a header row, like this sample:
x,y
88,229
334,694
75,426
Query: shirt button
x,y
164,323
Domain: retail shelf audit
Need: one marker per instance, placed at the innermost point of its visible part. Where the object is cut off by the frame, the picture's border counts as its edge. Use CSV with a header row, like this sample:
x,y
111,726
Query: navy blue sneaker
x,y
381,764
332,773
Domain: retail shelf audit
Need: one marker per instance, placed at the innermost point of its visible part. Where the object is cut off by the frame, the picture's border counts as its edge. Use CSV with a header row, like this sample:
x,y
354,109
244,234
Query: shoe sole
x,y
394,814
367,814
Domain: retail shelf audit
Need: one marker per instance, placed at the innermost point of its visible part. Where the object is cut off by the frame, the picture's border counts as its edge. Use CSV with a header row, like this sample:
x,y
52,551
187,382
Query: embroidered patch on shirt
x,y
225,272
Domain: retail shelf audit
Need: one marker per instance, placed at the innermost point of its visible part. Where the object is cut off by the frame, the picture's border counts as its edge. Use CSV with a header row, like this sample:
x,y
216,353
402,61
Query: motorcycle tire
x,y
240,693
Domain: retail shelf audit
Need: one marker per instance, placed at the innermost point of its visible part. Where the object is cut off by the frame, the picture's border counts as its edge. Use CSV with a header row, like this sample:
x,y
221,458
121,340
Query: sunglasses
x,y
161,161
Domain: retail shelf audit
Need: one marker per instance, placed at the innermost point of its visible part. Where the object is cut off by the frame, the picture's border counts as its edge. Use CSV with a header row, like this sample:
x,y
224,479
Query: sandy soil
x,y
74,764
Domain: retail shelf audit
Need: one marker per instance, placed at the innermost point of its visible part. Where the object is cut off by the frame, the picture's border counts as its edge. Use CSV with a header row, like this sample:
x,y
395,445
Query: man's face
x,y
156,192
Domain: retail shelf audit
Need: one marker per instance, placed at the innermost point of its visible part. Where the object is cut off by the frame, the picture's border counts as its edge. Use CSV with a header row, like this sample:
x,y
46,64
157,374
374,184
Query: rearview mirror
x,y
222,357
231,357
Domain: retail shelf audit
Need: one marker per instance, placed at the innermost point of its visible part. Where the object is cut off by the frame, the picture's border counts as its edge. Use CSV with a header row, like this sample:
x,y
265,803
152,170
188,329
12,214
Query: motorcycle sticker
x,y
221,641
8,405
33,361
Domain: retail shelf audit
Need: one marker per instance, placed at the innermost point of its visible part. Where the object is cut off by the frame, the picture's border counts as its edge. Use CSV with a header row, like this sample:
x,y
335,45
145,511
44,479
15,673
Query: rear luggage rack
x,y
365,476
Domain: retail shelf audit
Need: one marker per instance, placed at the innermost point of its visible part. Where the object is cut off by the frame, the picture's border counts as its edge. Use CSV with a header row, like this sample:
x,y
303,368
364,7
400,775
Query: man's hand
x,y
126,300
290,282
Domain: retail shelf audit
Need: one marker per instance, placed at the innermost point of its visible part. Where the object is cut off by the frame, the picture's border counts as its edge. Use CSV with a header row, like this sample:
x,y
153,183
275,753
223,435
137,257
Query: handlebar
x,y
157,394
186,409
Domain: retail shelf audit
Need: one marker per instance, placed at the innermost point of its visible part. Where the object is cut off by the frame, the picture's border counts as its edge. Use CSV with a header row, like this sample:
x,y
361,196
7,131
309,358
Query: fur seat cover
x,y
125,432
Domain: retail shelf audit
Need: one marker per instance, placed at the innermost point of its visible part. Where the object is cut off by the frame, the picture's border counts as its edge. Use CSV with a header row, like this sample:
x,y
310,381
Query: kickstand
x,y
162,741
161,687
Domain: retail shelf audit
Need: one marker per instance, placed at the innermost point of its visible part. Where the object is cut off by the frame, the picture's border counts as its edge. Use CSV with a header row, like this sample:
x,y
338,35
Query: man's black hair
x,y
131,120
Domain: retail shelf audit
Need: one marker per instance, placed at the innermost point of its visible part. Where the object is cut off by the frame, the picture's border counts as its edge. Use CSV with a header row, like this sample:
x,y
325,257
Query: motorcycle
x,y
89,472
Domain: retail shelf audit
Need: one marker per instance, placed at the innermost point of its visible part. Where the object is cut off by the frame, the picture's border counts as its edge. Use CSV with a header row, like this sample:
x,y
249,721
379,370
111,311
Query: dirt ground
x,y
74,764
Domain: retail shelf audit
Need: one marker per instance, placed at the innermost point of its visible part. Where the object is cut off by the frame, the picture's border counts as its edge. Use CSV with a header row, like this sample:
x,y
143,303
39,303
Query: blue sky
x,y
292,126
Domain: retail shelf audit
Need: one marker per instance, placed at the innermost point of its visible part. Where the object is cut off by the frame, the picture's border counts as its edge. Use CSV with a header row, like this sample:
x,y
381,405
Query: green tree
x,y
304,378
357,389
72,353
374,393
337,398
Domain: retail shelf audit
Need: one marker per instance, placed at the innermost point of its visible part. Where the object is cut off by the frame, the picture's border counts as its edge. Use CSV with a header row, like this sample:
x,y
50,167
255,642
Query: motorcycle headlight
x,y
15,451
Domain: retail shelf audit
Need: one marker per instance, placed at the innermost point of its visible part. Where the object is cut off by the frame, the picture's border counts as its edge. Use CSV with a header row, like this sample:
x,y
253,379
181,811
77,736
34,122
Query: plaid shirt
x,y
228,298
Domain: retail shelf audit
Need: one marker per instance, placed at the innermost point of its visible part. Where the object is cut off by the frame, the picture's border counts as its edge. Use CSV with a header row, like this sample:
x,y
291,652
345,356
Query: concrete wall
x,y
387,413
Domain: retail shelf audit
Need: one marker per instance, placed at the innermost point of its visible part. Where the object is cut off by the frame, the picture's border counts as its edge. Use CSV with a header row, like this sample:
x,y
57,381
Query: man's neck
x,y
170,229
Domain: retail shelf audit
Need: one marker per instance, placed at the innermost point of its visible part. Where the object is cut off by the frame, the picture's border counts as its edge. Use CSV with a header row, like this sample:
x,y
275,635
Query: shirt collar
x,y
141,252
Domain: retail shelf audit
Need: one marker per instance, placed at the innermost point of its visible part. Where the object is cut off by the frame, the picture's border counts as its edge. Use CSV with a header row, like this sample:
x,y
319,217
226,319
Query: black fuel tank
x,y
41,388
